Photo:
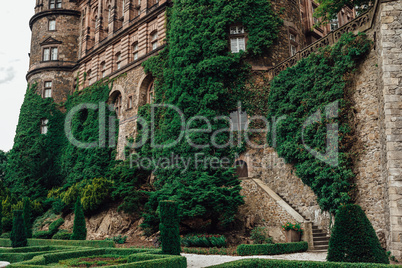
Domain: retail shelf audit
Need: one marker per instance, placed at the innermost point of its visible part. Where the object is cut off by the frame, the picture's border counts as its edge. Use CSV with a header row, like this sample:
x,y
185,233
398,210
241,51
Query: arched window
x,y
241,169
151,93
118,104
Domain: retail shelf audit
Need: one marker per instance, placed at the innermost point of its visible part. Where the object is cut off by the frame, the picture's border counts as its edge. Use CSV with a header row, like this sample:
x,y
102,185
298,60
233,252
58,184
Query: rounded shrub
x,y
169,227
18,233
354,239
80,229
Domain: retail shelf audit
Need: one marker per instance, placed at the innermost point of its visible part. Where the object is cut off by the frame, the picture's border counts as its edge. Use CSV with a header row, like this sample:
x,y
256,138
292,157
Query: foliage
x,y
307,89
62,235
272,249
94,193
210,251
267,263
13,255
53,229
203,240
118,239
199,75
5,235
27,217
18,234
292,226
329,9
79,229
72,243
3,164
33,165
259,235
169,227
353,238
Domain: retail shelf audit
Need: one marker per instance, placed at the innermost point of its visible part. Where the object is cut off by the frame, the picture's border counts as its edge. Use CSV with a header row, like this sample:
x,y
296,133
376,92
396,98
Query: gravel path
x,y
200,261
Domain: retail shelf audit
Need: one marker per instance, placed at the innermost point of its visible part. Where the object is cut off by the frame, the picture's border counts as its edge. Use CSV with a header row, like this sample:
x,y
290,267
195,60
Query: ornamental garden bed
x,y
13,255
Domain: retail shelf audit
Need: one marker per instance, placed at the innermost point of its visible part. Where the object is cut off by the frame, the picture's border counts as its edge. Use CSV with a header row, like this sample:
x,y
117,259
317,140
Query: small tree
x,y
354,239
1,216
18,233
80,229
169,227
27,217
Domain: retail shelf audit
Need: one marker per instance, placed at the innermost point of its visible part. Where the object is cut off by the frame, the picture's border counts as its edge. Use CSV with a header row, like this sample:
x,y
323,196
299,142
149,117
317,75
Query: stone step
x,y
324,243
320,248
321,239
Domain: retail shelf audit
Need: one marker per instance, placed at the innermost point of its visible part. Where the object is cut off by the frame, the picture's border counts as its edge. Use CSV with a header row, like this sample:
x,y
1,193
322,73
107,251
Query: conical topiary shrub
x,y
18,234
353,238
27,217
80,229
169,227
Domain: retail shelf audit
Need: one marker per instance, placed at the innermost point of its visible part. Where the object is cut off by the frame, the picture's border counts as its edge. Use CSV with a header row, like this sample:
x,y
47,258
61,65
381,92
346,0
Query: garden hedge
x,y
27,253
271,249
73,243
143,258
257,263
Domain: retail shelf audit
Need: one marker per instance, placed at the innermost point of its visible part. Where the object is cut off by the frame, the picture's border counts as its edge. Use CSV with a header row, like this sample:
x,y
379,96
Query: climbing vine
x,y
199,75
318,83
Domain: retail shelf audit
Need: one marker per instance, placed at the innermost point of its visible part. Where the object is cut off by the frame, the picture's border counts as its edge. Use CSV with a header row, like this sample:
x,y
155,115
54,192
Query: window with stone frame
x,y
52,25
293,42
52,4
334,24
118,60
58,3
237,38
118,104
47,91
151,93
103,69
50,54
130,102
44,126
154,40
135,51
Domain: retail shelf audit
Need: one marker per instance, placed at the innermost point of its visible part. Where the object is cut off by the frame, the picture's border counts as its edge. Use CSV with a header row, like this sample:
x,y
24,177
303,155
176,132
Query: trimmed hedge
x,y
53,229
272,249
27,253
259,263
169,227
18,234
144,258
353,238
73,243
62,235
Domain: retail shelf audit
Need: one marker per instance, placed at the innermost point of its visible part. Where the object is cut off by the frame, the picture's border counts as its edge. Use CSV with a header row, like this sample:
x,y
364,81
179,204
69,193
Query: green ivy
x,y
197,73
299,92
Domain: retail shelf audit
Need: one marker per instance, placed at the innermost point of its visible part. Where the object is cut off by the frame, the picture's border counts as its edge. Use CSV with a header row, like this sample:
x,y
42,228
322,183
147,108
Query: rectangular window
x,y
52,25
118,65
154,45
334,24
314,18
238,44
130,102
292,37
237,30
48,89
52,4
54,55
58,4
293,50
46,54
43,126
136,56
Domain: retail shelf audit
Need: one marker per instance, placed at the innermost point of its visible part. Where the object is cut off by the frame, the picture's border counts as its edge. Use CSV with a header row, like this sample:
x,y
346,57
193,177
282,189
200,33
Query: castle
x,y
76,43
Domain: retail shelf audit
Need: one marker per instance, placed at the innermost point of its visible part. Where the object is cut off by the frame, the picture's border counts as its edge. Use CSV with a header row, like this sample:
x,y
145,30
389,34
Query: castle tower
x,y
54,47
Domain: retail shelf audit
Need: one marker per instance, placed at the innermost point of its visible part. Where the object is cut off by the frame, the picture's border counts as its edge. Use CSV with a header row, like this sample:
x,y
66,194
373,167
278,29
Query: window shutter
x,y
233,45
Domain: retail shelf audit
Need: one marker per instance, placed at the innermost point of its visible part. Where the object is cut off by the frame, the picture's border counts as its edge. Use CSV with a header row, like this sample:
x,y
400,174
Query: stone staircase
x,y
320,238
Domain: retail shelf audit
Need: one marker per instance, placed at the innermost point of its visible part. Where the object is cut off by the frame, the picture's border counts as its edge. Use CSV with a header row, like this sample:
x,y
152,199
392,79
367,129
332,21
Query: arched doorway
x,y
117,100
241,169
